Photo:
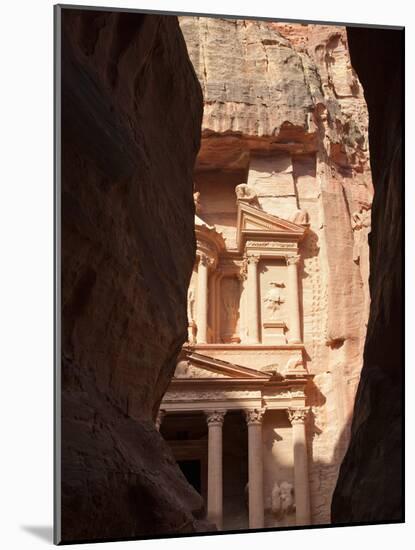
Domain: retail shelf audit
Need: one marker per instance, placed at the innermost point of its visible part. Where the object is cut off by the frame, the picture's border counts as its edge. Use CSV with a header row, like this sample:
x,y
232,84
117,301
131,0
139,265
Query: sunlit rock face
x,y
370,481
131,115
284,112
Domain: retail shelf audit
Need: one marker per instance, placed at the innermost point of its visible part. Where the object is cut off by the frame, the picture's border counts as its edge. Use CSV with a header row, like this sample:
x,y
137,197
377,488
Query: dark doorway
x,y
192,472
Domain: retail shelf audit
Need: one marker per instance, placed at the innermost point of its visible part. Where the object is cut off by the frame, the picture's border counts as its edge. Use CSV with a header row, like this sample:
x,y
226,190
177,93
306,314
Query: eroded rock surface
x,y
369,488
285,113
131,115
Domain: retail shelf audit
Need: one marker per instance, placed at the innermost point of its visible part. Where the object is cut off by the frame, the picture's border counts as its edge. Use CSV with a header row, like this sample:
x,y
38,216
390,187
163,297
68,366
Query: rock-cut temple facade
x,y
258,412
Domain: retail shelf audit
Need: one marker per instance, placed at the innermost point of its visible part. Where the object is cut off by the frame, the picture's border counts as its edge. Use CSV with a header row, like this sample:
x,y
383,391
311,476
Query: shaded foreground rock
x,y
369,487
131,116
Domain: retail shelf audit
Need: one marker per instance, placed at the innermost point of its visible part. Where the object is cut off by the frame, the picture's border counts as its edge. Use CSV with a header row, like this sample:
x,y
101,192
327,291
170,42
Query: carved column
x,y
202,299
253,299
159,419
215,475
297,418
294,302
255,468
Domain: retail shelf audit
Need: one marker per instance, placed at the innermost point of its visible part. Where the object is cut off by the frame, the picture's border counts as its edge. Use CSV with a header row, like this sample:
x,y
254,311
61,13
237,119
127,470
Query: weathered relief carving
x,y
212,395
274,298
230,297
245,193
196,199
270,244
160,415
300,217
295,365
282,499
361,222
191,304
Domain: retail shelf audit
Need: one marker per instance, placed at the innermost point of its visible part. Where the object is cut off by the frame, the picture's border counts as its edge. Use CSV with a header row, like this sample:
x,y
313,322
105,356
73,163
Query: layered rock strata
x,y
284,112
131,115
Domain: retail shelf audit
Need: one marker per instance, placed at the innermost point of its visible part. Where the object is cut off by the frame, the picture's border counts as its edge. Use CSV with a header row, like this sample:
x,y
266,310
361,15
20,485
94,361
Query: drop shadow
x,y
42,532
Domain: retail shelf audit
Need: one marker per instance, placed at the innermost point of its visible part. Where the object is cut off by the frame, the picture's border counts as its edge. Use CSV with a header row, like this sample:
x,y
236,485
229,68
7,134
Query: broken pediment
x,y
197,365
254,222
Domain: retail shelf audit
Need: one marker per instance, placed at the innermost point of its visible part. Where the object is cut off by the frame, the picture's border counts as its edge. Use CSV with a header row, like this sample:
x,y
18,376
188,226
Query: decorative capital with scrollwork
x,y
292,259
252,258
215,418
254,416
297,415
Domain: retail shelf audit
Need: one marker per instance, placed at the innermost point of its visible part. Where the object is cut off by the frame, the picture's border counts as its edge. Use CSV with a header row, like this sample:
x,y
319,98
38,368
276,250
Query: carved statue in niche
x,y
274,298
245,193
361,222
191,304
300,217
282,499
230,296
191,323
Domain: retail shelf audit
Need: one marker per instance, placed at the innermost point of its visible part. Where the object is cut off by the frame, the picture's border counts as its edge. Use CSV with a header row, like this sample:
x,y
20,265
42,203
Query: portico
x,y
213,388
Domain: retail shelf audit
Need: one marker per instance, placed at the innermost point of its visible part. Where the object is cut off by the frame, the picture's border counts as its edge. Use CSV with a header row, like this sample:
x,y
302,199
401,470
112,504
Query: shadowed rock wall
x,y
369,487
131,118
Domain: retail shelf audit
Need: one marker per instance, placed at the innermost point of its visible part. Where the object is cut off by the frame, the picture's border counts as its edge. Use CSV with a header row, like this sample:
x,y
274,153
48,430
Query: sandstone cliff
x,y
283,104
370,481
131,115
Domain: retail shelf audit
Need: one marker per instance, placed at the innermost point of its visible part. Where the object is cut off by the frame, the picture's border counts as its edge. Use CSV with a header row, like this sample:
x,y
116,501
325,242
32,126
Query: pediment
x,y
252,221
199,366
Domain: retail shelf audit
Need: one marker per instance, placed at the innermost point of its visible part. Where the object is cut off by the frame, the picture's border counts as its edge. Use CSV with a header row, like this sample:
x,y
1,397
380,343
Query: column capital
x,y
160,415
254,416
292,259
215,418
203,259
297,415
252,257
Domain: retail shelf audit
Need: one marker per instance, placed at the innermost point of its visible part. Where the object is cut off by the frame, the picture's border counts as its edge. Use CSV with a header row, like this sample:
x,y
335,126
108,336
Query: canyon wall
x,y
285,113
370,481
131,115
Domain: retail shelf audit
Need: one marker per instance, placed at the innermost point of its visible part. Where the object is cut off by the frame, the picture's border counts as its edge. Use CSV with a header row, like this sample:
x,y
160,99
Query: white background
x,y
26,260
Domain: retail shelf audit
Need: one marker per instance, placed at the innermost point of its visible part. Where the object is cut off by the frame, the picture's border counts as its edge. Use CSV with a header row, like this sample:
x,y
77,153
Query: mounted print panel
x,y
229,328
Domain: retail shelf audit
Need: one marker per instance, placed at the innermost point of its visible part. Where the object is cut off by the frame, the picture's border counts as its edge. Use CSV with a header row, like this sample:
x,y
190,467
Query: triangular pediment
x,y
199,366
253,221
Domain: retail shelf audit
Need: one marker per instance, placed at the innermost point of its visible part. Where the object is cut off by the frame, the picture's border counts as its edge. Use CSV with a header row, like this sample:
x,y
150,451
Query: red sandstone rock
x,y
285,113
131,113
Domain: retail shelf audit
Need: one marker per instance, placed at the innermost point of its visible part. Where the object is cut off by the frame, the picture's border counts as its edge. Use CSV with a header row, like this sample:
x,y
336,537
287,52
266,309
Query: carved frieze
x,y
270,244
212,395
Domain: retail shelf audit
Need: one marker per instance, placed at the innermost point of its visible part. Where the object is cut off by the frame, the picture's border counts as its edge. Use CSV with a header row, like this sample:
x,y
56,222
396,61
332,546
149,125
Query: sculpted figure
x,y
274,298
282,499
190,304
245,193
300,217
361,222
287,498
276,500
196,198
